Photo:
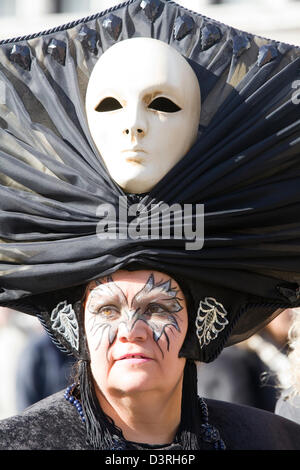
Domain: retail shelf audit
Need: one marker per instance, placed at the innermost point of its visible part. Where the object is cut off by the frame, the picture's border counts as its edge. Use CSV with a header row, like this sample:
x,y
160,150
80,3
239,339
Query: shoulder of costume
x,y
49,424
248,428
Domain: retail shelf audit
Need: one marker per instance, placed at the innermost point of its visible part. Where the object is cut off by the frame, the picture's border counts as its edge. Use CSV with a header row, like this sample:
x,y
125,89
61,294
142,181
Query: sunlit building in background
x,y
274,19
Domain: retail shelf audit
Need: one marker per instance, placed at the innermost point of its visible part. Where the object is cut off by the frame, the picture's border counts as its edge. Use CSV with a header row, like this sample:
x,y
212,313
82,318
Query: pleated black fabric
x,y
244,168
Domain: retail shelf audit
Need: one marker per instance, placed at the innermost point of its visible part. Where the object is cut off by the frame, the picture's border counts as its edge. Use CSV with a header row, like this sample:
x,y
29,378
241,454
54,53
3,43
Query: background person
x,y
288,404
251,372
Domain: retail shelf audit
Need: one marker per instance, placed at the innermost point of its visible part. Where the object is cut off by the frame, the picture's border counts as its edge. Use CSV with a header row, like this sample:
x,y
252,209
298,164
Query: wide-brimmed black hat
x,y
244,168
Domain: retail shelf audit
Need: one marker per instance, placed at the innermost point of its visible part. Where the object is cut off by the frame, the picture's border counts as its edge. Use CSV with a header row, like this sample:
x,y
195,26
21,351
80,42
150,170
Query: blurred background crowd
x,y
252,373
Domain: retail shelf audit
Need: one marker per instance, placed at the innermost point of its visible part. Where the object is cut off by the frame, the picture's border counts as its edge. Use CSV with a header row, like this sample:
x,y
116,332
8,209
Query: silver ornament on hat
x,y
210,321
64,321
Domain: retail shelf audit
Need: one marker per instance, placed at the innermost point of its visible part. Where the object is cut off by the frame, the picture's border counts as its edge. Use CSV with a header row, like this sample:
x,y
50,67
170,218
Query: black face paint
x,y
155,304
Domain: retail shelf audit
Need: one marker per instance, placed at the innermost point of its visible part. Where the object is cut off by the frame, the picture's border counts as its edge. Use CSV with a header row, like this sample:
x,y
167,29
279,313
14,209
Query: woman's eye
x,y
153,309
164,104
108,104
107,312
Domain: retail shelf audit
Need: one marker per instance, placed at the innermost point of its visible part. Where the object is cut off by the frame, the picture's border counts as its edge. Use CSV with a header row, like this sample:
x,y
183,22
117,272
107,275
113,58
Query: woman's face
x,y
135,324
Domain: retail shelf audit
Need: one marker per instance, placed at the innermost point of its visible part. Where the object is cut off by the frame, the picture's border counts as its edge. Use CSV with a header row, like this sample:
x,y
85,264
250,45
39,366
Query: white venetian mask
x,y
143,108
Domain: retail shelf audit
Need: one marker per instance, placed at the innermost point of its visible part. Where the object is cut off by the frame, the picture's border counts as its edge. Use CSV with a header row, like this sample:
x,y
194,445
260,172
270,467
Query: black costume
x,y
242,428
244,168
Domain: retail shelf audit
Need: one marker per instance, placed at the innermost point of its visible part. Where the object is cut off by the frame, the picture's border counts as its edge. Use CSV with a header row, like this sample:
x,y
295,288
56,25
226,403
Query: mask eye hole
x,y
164,104
108,104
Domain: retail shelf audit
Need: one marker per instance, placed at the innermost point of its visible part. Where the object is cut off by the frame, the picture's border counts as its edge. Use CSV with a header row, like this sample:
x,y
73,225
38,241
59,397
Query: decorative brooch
x,y
210,320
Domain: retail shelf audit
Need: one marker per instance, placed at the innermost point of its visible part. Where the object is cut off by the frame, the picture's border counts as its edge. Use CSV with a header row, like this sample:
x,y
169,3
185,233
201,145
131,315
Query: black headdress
x,y
244,168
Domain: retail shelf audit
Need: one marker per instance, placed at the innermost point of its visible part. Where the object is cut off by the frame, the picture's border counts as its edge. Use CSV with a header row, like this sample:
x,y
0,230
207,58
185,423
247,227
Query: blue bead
x,y
74,401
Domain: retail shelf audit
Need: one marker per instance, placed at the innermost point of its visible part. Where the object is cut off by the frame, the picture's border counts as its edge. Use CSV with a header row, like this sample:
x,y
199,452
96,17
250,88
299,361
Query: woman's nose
x,y
132,331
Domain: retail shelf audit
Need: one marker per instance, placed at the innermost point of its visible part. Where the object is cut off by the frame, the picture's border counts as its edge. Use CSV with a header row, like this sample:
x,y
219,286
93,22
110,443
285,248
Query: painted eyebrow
x,y
160,292
151,292
112,293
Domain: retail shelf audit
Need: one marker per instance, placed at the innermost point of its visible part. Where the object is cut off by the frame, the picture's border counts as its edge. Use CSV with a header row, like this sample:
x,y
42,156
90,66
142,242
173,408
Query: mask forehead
x,y
139,66
128,73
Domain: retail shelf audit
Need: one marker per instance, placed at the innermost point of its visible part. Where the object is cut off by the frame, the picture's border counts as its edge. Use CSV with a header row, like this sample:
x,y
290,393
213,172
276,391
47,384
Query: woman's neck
x,y
144,417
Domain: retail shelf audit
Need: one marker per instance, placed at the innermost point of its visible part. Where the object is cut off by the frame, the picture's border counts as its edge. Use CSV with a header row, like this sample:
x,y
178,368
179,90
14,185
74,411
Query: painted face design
x,y
155,304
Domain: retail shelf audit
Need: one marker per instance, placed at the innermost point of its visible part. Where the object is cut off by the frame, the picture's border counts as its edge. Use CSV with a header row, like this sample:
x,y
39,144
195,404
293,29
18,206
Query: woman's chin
x,y
132,382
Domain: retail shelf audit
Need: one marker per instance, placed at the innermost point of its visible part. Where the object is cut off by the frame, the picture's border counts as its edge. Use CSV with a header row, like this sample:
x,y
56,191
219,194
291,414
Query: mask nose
x,y
135,125
138,132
